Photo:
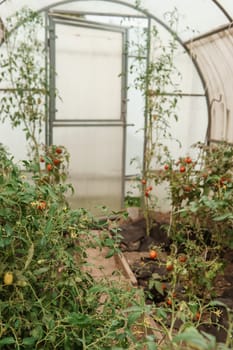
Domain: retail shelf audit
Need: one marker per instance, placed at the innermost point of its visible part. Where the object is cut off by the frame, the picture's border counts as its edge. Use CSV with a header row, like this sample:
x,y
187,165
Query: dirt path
x,y
113,268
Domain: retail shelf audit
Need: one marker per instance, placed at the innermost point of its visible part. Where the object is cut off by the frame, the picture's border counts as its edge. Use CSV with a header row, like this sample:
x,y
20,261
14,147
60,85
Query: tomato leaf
x,y
110,253
78,319
7,340
29,341
133,317
193,338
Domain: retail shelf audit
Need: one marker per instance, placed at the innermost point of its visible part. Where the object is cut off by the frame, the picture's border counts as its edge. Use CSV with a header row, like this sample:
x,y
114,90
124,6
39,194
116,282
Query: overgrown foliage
x,y
200,231
201,194
48,300
155,78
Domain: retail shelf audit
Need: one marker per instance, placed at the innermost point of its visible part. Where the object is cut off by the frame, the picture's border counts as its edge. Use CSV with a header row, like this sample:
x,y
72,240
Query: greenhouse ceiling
x,y
193,14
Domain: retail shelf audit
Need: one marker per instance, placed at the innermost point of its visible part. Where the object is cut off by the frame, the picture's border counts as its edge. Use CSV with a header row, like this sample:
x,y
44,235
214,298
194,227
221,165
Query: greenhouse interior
x,y
116,181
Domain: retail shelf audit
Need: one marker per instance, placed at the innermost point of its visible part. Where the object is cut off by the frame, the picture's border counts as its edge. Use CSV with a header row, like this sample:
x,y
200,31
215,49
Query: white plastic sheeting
x,y
91,87
96,165
214,56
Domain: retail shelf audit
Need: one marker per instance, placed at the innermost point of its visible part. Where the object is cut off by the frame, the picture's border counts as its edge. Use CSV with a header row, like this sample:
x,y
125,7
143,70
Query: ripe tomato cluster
x,y
148,190
182,163
52,158
41,205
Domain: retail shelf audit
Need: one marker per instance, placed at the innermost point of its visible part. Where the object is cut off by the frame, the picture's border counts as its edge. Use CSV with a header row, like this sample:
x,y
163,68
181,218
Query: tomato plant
x,y
48,299
152,80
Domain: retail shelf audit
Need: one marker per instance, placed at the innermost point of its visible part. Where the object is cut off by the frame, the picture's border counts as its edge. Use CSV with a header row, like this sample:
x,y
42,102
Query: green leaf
x,y
151,345
134,309
8,229
193,307
29,341
30,256
110,253
217,303
158,287
224,217
133,317
41,270
37,332
160,312
7,340
192,337
77,319
49,227
109,242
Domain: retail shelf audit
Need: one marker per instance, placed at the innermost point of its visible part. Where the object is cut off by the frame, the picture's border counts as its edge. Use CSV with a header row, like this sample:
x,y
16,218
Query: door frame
x,y
53,20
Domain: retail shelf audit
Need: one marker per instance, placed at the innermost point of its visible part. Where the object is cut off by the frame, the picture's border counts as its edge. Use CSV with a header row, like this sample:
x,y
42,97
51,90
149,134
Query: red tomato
x,y
58,150
49,167
169,266
147,194
188,160
41,205
41,159
169,302
182,169
198,316
143,181
153,254
182,258
187,188
163,286
166,167
56,161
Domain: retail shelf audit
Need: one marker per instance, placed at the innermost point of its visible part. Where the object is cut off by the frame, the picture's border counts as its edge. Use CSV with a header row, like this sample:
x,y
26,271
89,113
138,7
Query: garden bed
x,y
156,277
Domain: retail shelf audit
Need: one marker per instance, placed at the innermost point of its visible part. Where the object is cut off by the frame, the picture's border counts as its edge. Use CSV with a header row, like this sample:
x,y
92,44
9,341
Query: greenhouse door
x,y
87,112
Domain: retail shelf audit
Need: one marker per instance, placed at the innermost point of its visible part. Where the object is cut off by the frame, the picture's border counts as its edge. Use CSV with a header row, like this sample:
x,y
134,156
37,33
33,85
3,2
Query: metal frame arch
x,y
148,15
223,10
137,8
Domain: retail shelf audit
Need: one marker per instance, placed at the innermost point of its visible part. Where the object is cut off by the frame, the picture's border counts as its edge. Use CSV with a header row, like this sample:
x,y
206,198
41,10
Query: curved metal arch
x,y
223,10
148,15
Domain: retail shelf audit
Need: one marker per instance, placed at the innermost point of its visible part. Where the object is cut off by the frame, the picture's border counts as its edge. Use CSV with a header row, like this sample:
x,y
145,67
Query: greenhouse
x,y
116,148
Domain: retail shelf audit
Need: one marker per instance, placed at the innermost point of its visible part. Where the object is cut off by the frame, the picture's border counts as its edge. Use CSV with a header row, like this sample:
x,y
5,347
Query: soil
x,y
135,245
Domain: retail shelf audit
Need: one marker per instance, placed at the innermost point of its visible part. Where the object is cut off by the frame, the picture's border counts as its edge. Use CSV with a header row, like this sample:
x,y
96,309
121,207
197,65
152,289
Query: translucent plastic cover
x,y
96,165
193,14
91,86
